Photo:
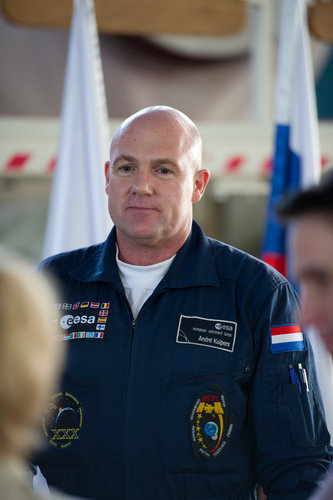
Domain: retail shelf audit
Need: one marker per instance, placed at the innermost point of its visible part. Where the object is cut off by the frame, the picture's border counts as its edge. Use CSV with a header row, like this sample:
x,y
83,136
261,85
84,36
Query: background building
x,y
225,84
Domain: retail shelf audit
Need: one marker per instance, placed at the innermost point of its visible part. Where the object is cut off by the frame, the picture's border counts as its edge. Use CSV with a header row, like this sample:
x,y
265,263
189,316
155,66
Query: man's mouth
x,y
141,208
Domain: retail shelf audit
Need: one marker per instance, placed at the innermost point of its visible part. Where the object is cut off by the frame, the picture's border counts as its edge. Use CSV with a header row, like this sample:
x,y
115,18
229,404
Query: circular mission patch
x,y
211,424
62,421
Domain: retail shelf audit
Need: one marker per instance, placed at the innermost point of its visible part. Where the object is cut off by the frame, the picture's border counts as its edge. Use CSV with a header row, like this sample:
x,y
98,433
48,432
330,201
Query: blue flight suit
x,y
210,391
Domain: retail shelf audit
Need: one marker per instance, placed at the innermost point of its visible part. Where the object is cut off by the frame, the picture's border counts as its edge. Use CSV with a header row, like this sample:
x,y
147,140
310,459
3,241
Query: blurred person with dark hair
x,y
310,212
30,363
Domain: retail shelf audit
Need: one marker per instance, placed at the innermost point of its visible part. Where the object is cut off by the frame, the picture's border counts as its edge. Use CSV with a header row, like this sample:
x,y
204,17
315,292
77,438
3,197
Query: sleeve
x,y
292,442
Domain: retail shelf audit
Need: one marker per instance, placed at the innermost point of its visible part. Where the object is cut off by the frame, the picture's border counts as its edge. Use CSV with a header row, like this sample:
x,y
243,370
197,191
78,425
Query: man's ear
x,y
107,172
201,179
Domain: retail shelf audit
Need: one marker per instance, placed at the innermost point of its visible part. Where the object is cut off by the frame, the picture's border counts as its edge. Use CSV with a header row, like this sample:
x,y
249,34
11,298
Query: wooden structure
x,y
137,17
321,20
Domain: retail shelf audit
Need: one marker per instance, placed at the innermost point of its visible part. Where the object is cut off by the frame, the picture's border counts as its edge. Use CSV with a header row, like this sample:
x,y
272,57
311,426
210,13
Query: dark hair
x,y
316,199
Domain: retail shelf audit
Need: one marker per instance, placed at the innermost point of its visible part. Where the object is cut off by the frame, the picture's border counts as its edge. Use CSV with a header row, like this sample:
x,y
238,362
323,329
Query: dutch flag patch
x,y
286,338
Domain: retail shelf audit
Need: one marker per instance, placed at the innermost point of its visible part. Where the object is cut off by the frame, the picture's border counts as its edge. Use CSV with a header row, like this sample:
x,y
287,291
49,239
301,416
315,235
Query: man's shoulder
x,y
247,270
234,265
64,262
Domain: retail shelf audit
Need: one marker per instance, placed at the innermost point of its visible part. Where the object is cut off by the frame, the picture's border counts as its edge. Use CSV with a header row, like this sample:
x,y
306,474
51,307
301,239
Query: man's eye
x,y
163,170
125,168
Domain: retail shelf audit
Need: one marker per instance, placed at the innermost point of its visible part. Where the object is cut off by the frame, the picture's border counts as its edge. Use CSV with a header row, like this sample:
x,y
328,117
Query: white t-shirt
x,y
140,281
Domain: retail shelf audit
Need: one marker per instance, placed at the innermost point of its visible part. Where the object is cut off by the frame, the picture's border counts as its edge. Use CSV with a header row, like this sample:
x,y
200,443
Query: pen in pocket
x,y
303,375
294,378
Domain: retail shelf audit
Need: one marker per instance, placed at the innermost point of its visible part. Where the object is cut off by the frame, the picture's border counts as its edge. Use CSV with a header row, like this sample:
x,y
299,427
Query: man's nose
x,y
142,183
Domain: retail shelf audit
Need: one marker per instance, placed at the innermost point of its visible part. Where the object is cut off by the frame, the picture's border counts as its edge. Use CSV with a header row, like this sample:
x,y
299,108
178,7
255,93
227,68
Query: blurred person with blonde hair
x,y
30,362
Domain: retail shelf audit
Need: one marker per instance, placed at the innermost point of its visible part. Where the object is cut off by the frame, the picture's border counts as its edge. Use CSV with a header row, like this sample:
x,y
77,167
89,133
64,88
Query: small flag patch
x,y
286,338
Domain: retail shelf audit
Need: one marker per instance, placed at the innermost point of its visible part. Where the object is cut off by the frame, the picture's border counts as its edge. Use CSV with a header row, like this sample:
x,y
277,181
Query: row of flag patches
x,y
81,305
81,335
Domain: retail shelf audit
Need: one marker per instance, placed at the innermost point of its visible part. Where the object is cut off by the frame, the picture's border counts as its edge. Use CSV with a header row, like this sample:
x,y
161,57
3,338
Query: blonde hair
x,y
30,359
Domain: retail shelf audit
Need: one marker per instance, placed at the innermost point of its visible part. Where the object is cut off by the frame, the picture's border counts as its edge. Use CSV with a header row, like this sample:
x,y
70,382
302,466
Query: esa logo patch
x,y
62,421
211,424
80,320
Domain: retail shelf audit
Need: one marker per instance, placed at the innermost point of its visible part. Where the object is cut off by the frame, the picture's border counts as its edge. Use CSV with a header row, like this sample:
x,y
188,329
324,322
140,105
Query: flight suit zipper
x,y
133,327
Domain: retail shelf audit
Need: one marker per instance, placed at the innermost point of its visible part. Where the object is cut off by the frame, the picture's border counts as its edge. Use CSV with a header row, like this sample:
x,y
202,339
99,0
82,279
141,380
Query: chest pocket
x,y
222,393
203,417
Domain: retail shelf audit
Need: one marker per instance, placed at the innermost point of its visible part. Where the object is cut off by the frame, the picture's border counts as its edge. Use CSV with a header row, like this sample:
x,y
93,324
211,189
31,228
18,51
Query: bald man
x,y
182,379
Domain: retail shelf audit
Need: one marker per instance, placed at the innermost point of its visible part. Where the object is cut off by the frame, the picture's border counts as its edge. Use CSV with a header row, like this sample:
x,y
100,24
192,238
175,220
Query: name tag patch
x,y
216,333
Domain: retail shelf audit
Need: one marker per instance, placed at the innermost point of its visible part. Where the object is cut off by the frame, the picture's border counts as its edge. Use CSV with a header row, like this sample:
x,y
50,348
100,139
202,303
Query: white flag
x,y
78,214
296,157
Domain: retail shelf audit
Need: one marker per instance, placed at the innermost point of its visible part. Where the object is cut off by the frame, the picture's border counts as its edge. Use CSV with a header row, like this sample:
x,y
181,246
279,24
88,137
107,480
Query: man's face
x,y
312,246
152,180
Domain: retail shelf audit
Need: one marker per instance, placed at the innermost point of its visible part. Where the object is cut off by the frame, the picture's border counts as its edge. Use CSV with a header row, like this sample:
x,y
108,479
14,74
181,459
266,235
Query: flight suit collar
x,y
194,263
192,266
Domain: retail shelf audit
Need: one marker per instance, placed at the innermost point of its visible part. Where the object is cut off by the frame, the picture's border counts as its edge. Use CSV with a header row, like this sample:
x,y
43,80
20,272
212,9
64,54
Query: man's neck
x,y
141,254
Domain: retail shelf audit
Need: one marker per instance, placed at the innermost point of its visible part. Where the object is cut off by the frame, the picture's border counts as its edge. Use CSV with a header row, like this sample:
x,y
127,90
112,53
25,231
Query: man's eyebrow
x,y
313,272
164,161
157,161
128,158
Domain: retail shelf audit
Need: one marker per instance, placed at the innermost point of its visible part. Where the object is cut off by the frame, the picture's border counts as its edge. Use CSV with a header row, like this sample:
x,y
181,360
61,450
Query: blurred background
x,y
224,83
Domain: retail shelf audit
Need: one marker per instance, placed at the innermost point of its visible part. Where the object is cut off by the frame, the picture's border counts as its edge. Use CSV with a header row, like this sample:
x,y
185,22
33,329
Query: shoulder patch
x,y
287,338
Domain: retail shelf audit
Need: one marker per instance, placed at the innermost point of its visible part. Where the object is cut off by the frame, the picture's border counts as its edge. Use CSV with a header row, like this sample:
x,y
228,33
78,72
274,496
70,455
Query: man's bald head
x,y
189,134
152,180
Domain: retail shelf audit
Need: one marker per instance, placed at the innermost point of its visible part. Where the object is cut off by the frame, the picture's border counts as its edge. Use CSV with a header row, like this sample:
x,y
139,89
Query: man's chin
x,y
143,236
